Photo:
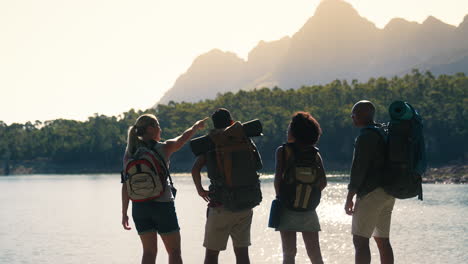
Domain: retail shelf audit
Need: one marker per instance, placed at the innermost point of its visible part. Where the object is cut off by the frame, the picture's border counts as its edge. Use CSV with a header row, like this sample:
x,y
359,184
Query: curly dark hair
x,y
305,129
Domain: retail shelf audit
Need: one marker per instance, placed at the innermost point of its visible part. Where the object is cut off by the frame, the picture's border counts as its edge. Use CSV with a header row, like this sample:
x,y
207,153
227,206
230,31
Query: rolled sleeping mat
x,y
253,128
203,144
400,110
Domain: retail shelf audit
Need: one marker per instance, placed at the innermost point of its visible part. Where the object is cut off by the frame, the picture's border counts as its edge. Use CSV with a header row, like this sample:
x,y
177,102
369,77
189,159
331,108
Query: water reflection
x,y
76,219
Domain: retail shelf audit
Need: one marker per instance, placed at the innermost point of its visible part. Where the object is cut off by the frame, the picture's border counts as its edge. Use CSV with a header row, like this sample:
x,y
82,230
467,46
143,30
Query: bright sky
x,y
71,59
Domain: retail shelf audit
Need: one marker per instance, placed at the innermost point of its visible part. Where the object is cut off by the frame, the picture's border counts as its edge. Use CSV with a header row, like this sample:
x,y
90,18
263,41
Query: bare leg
x,y
172,244
311,241
385,250
361,245
150,247
242,255
288,239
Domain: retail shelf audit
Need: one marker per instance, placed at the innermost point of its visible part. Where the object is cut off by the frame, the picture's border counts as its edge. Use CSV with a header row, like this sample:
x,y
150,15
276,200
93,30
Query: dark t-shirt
x,y
368,162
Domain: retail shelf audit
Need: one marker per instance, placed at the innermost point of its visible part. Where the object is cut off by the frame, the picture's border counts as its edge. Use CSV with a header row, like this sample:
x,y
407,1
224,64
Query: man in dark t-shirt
x,y
373,209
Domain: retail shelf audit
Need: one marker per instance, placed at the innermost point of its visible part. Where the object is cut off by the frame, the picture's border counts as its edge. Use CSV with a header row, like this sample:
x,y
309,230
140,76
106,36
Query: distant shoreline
x,y
452,174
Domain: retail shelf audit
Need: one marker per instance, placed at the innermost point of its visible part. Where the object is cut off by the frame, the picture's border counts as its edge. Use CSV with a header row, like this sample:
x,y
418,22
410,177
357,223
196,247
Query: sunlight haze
x,y
71,59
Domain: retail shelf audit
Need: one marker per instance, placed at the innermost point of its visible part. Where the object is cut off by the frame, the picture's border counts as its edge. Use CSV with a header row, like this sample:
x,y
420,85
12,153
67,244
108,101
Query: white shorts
x,y
373,214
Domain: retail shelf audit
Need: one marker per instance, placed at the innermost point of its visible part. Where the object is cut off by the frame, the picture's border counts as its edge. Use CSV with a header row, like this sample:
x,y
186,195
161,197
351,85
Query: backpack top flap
x,y
234,152
230,136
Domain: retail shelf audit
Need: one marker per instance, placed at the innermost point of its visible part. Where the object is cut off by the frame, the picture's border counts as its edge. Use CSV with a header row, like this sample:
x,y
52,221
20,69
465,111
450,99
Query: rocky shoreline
x,y
454,174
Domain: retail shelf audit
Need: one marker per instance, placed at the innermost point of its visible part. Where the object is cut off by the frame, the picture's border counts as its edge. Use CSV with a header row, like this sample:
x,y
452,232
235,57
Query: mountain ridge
x,y
326,48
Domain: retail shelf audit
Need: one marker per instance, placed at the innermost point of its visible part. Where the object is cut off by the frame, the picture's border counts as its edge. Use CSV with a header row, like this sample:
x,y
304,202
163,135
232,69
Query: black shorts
x,y
159,217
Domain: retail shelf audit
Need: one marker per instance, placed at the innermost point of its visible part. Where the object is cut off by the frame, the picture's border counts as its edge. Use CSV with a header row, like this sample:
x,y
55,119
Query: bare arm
x,y
125,201
173,145
349,205
196,176
279,169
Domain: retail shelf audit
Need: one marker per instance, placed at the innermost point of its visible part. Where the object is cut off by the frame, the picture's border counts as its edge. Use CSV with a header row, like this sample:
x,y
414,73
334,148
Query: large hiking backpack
x,y
232,168
405,157
300,187
145,174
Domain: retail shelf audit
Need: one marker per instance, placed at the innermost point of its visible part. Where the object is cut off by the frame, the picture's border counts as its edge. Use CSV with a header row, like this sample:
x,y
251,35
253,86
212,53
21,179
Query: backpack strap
x,y
377,130
256,154
283,157
156,152
287,157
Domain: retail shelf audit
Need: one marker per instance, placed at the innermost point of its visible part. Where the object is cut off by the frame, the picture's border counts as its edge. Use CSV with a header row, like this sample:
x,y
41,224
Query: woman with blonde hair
x,y
156,215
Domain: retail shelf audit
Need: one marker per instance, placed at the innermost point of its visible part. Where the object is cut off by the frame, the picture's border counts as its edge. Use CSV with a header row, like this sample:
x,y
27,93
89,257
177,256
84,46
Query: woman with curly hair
x,y
299,180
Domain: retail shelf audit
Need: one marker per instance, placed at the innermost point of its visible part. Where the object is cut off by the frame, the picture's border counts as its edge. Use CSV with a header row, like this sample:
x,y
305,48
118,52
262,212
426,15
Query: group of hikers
x,y
232,161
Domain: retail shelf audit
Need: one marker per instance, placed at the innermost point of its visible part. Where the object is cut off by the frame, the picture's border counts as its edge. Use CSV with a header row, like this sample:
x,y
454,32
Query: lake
x,y
76,219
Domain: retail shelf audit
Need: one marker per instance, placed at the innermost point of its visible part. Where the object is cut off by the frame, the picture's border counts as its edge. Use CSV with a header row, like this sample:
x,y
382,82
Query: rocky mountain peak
x,y
335,8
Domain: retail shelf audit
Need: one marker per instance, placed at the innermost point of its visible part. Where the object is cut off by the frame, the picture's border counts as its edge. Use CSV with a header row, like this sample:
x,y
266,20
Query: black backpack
x,y
299,189
405,157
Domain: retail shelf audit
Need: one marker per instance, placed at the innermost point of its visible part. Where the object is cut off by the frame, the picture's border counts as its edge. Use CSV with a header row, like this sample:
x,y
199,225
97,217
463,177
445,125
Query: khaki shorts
x,y
373,214
222,223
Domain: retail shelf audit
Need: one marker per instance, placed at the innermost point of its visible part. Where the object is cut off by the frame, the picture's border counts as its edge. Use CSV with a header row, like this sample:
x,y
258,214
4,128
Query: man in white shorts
x,y
373,209
229,211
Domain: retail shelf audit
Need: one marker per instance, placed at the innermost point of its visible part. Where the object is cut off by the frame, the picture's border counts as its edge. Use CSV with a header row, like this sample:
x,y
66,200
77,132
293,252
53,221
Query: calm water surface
x,y
76,219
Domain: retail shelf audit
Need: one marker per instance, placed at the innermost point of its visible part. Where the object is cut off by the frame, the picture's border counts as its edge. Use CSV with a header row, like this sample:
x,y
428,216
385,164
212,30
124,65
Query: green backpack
x,y
405,157
300,190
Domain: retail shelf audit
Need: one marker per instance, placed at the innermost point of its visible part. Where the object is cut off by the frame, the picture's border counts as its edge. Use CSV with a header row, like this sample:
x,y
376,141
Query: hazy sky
x,y
71,59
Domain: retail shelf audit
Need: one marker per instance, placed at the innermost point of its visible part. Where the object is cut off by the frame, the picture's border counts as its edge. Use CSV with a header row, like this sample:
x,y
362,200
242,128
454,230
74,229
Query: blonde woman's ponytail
x,y
136,131
132,141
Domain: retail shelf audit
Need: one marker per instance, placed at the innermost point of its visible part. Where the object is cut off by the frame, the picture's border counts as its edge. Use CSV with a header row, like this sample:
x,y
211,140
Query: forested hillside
x,y
97,144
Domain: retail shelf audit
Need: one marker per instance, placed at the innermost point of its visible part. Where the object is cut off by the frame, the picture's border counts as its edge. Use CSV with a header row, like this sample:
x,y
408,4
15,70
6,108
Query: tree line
x,y
97,144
